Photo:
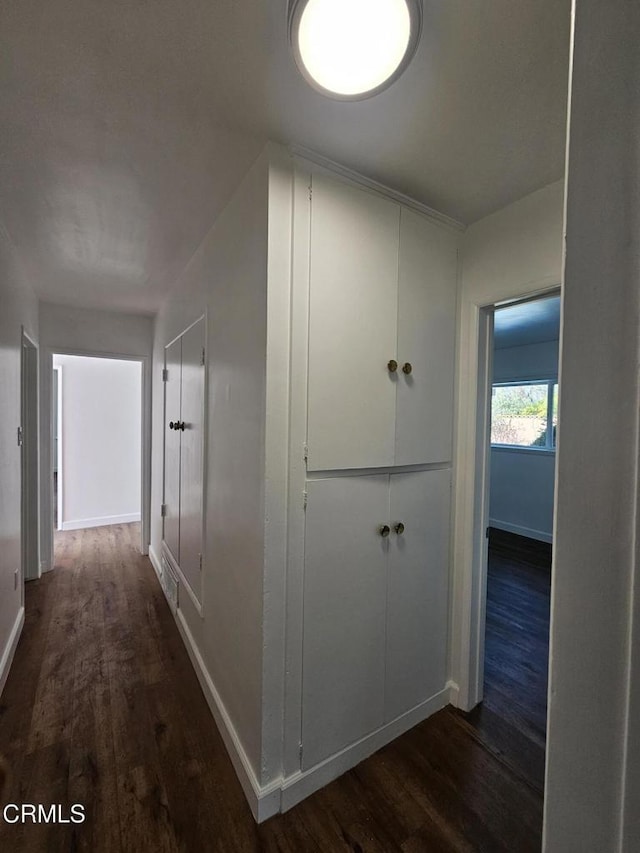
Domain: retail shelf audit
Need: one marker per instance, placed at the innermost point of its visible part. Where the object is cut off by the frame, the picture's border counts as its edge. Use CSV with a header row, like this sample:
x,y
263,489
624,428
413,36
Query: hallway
x,y
120,725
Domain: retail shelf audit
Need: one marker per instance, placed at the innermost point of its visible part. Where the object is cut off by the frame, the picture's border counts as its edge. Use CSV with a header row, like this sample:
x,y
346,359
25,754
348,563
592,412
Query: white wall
x,y
592,801
66,329
18,307
521,492
227,278
514,252
101,441
522,479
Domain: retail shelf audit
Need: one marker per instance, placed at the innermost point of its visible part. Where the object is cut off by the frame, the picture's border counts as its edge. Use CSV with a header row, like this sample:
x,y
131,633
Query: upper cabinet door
x,y
192,456
352,327
172,407
426,340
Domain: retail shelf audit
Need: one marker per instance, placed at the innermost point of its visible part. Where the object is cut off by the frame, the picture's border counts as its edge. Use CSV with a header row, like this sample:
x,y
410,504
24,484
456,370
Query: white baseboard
x,y
283,794
155,562
454,693
298,786
540,535
10,649
103,521
263,801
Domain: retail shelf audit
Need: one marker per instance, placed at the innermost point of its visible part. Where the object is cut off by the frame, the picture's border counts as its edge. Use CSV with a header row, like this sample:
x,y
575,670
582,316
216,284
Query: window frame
x,y
551,382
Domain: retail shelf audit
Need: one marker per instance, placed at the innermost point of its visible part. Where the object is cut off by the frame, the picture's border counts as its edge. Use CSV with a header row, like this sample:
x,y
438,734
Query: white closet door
x,y
344,613
418,587
192,456
173,362
352,327
426,340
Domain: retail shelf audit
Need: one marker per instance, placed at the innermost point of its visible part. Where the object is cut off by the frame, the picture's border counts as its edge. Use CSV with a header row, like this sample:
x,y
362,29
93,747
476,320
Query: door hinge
x,y
305,499
310,191
165,375
20,437
300,750
305,452
163,510
200,561
202,358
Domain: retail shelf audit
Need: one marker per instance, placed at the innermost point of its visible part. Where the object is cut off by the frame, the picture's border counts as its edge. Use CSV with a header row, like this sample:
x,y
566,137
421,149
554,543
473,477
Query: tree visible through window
x,y
525,414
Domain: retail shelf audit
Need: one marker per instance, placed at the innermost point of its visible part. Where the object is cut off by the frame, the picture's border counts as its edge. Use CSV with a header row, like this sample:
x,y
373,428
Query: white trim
x,y
518,448
101,521
155,562
471,514
263,801
301,784
299,350
281,794
529,532
10,648
332,168
57,373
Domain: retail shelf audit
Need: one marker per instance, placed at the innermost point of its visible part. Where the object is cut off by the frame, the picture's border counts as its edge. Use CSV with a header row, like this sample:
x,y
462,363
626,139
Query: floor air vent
x,y
169,584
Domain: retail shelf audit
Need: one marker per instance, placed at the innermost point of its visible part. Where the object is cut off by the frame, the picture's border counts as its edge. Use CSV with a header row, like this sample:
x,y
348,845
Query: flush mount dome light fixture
x,y
352,49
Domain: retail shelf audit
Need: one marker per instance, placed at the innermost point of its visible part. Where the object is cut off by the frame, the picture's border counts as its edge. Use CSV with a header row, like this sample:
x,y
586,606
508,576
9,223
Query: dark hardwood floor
x,y
103,708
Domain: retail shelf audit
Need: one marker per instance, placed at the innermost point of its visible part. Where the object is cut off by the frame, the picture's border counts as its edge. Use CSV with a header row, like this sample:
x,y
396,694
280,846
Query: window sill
x,y
514,448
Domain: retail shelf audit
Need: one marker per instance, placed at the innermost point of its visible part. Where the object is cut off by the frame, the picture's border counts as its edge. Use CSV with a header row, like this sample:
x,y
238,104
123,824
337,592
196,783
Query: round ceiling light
x,y
352,49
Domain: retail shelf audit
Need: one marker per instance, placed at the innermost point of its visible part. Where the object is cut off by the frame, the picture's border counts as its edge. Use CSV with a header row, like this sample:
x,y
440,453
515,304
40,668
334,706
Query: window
x,y
525,414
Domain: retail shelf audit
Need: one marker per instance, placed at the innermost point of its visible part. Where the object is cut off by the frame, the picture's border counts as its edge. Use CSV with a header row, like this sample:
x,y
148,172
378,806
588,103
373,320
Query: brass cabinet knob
x,y
170,424
399,528
407,368
180,426
392,366
385,530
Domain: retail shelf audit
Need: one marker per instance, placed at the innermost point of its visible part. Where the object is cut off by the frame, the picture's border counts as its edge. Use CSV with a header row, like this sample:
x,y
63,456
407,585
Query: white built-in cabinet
x,y
375,605
382,303
380,381
184,455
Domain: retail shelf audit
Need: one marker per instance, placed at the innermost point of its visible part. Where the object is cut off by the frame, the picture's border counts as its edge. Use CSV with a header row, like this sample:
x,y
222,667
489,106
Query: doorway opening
x,y
97,440
520,445
28,439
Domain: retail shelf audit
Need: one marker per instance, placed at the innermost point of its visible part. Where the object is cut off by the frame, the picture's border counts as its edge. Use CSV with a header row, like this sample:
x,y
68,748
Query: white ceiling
x,y
127,125
530,322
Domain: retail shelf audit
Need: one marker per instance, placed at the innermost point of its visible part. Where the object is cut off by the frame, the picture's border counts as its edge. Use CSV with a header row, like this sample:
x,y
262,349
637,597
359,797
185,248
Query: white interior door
x,y
426,340
352,327
191,456
417,589
173,364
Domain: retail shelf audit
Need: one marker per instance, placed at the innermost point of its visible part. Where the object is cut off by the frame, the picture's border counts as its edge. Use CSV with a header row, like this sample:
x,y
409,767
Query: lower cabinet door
x,y
417,607
345,589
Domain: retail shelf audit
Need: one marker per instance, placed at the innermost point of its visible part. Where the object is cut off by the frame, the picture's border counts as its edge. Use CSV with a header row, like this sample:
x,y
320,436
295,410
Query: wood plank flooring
x,y
103,708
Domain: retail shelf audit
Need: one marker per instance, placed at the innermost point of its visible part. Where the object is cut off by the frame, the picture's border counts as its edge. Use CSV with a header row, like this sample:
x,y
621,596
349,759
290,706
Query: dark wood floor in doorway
x,y
103,708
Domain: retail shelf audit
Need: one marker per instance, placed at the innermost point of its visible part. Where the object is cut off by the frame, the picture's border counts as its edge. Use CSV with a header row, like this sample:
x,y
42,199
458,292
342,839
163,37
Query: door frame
x,y
57,457
145,402
471,494
30,458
